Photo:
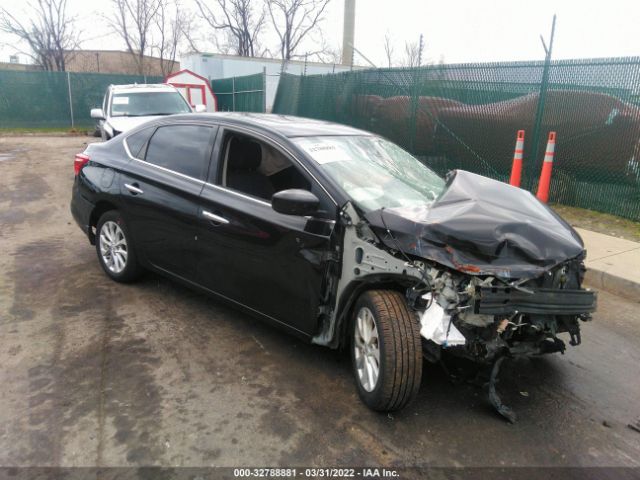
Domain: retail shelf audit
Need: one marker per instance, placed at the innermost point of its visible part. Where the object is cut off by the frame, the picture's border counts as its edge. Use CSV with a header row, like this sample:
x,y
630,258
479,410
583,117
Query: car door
x,y
161,189
272,263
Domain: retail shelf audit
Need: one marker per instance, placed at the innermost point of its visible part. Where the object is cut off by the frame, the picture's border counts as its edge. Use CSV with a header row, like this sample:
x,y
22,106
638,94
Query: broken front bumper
x,y
494,300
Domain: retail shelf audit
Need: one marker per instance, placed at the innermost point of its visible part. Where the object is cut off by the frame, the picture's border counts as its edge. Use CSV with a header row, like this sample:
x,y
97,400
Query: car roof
x,y
285,125
143,87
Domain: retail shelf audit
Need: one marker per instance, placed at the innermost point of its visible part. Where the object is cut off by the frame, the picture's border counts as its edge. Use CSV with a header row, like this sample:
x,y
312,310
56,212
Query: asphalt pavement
x,y
94,373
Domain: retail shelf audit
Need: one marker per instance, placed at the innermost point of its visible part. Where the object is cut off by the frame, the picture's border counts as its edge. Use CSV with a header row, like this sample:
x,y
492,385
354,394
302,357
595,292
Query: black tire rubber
x,y
132,269
400,351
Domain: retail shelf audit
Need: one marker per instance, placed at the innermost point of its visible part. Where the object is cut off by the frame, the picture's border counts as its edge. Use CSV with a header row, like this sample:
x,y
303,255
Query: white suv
x,y
126,106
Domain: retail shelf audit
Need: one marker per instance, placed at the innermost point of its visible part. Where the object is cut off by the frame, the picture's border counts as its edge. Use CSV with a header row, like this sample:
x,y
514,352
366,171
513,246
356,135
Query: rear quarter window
x,y
137,141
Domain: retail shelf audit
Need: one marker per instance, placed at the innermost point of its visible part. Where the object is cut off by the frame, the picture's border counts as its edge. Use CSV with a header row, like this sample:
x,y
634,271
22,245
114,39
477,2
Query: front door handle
x,y
133,189
214,218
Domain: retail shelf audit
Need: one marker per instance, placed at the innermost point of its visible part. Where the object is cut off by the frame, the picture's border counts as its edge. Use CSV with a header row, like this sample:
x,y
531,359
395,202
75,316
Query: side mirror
x,y
295,202
97,113
200,108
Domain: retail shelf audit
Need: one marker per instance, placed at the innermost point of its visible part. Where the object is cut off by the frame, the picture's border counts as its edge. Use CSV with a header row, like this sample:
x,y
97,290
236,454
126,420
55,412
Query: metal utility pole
x,y
348,32
533,161
420,49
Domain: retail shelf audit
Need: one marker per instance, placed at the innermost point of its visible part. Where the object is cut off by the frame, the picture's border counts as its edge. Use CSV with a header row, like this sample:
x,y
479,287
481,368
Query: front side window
x,y
373,172
142,104
184,149
258,169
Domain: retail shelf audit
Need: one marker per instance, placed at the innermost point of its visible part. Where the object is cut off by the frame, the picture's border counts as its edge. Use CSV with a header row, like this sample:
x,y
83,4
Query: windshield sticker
x,y
327,153
121,100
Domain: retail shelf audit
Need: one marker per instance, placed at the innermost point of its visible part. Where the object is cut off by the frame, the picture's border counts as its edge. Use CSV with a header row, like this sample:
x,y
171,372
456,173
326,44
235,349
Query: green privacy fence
x,y
240,94
37,99
467,116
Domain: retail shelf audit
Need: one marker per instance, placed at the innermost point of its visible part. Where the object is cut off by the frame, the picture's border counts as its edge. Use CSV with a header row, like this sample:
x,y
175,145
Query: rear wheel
x,y
115,249
386,350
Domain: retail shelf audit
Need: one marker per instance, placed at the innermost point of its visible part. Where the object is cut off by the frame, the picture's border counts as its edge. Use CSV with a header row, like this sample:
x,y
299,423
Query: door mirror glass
x,y
200,108
97,113
295,202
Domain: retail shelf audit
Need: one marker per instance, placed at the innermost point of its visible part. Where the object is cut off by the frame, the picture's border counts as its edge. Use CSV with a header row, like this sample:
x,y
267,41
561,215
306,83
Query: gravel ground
x,y
95,373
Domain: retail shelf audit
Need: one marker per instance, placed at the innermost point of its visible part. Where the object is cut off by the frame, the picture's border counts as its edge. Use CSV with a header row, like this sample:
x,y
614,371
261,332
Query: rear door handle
x,y
214,218
133,189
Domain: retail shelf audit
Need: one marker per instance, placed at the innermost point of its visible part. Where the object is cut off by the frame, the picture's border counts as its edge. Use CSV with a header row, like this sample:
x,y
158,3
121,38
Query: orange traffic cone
x,y
516,169
547,165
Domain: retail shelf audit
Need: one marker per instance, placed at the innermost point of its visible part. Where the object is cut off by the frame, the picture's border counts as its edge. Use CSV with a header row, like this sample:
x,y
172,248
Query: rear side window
x,y
137,141
181,148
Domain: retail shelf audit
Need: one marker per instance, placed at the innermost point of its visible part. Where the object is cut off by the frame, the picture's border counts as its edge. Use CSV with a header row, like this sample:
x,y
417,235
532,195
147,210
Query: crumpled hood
x,y
481,226
123,124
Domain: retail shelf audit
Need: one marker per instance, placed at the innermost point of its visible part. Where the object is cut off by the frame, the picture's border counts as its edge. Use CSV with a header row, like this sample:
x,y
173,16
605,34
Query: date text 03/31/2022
x,y
315,472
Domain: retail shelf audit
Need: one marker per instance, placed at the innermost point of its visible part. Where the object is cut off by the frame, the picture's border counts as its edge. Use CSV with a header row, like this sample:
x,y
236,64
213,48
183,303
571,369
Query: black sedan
x,y
339,237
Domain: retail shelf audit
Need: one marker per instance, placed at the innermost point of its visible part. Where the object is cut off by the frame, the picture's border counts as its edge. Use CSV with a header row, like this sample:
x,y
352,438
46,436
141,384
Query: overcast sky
x,y
455,30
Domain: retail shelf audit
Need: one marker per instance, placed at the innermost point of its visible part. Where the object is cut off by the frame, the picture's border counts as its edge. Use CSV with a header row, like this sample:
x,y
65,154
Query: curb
x,y
613,284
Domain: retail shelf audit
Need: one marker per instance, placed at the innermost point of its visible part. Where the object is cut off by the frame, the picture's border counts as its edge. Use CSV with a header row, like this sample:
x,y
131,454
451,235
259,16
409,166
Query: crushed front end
x,y
484,317
500,273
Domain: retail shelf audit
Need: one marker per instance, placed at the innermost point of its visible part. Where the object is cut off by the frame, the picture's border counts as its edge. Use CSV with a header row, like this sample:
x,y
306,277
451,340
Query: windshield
x,y
139,104
374,172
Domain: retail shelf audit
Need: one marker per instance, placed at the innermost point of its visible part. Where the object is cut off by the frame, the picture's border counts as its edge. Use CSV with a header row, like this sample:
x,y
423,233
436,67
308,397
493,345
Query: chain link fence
x,y
467,116
55,99
241,94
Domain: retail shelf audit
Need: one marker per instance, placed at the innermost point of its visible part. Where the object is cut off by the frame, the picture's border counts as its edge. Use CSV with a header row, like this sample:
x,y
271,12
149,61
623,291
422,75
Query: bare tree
x,y
330,54
171,27
411,54
239,22
388,49
295,20
133,21
50,33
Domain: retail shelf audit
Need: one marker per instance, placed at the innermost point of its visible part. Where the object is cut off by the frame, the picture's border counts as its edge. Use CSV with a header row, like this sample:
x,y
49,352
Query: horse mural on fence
x,y
598,134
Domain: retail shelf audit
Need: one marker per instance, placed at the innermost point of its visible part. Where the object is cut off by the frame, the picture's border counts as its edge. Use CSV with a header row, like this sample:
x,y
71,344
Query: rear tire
x,y
114,247
385,332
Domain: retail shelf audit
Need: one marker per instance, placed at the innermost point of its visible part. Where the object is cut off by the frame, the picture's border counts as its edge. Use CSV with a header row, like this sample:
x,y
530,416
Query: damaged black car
x,y
339,237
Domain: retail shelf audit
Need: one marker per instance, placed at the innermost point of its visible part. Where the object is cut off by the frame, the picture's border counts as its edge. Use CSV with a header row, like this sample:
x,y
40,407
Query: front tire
x,y
114,247
386,350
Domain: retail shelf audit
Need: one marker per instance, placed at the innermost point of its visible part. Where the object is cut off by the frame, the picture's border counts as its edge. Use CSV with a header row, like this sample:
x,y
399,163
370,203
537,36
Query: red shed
x,y
194,88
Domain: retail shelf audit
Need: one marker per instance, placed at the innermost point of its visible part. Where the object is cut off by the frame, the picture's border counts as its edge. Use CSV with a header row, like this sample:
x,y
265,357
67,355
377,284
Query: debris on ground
x,y
635,426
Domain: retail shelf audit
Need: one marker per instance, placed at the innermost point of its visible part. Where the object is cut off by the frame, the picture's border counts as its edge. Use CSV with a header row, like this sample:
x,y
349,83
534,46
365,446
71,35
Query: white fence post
x,y
264,89
70,98
233,93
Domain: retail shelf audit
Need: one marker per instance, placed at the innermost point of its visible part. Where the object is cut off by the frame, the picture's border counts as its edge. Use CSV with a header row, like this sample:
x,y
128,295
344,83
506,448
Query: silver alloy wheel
x,y
113,246
367,349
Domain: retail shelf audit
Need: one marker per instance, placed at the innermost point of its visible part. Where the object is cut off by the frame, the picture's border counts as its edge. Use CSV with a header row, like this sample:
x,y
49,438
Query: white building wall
x,y
215,66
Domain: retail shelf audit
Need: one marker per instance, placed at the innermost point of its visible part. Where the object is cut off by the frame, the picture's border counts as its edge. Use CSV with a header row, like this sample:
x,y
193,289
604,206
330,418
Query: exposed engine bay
x,y
469,299
489,316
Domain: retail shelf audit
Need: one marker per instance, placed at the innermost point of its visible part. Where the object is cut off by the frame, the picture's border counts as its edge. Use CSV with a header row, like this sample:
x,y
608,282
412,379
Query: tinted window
x,y
136,141
181,148
260,170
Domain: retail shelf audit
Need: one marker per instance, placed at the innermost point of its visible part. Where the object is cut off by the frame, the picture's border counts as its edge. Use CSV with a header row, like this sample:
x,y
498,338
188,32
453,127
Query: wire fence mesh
x,y
467,116
37,99
240,94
